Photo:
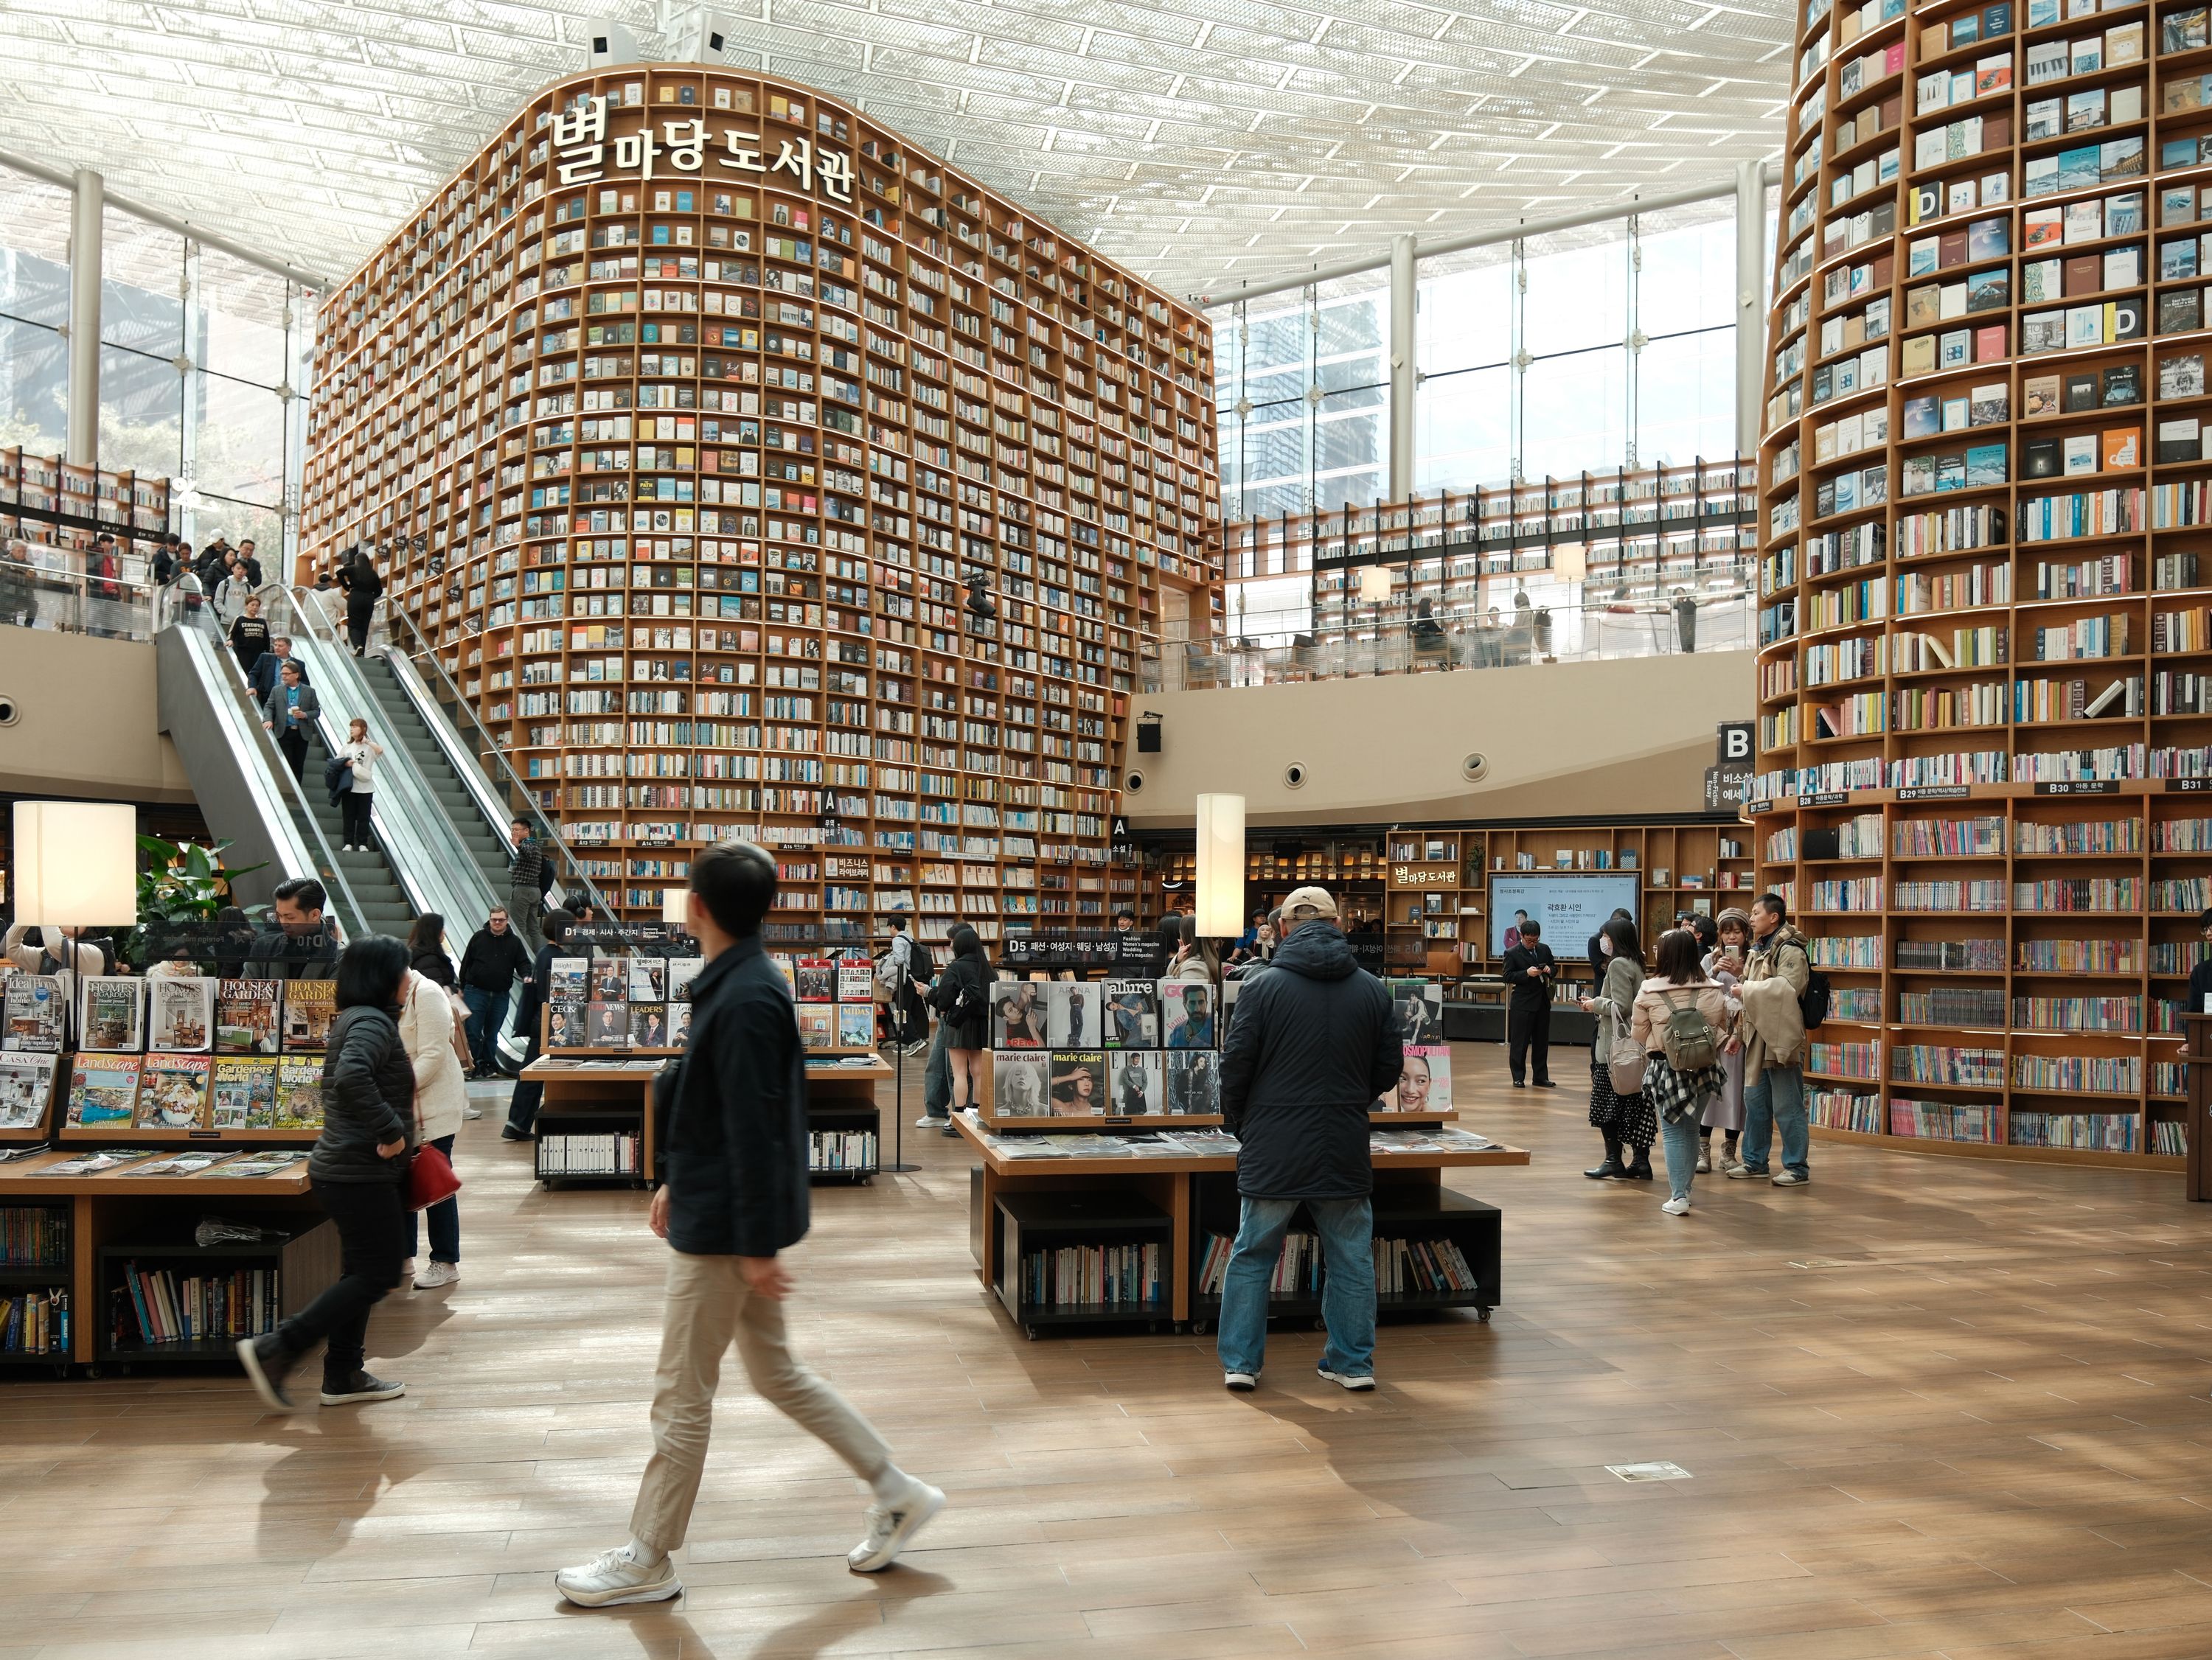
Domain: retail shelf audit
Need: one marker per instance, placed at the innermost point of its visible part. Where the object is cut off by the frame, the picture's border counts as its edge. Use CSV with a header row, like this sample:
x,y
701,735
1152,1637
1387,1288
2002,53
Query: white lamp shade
x,y
1220,866
1571,562
76,864
1374,589
675,906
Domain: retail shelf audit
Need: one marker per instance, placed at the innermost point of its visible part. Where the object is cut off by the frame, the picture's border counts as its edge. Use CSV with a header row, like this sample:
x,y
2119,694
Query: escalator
x,y
383,904
476,815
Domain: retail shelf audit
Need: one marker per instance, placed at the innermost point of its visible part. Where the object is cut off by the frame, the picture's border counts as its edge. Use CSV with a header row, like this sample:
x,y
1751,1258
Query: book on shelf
x,y
1424,1081
32,1006
1186,1014
103,1090
27,1088
607,979
1193,1083
310,1006
1131,1015
181,1014
856,981
173,1091
112,1015
1078,1083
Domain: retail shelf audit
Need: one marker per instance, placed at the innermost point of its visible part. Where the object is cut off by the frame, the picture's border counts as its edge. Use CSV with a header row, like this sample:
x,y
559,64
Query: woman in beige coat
x,y
1679,1095
439,1053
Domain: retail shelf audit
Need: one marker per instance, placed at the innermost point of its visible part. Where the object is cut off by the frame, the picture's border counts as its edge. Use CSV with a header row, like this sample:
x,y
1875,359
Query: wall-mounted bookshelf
x,y
1981,584
45,499
686,419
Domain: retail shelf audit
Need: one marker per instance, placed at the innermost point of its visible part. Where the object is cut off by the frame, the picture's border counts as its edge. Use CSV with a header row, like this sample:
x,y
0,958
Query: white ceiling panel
x,y
1199,143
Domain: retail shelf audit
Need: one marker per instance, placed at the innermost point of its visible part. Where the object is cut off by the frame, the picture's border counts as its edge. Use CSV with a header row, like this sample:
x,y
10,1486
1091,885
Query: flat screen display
x,y
1571,905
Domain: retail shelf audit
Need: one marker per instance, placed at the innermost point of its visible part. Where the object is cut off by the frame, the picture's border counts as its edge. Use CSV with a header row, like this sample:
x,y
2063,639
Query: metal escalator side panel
x,y
466,765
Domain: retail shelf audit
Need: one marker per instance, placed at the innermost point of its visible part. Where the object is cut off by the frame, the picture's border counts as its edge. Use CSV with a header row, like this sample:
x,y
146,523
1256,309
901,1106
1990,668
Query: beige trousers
x,y
710,1307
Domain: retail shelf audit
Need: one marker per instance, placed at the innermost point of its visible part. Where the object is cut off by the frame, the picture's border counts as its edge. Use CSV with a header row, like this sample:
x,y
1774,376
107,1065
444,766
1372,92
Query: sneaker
x,y
507,1132
1791,1179
615,1576
892,1528
267,1362
1347,1379
474,1111
950,1132
436,1274
363,1386
1546,1083
1243,1382
929,1121
1676,1207
1744,1173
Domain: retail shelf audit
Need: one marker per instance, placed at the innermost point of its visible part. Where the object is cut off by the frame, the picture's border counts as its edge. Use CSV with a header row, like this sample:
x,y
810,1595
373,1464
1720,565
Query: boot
x,y
1705,1155
1728,1159
1641,1170
1610,1167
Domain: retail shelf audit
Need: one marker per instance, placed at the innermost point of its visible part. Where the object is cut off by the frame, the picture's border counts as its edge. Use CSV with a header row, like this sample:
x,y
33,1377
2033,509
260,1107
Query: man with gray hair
x,y
1314,1042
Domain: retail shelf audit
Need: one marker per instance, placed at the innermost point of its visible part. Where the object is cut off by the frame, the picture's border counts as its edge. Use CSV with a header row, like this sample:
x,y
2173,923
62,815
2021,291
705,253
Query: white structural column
x,y
1750,293
86,205
1404,375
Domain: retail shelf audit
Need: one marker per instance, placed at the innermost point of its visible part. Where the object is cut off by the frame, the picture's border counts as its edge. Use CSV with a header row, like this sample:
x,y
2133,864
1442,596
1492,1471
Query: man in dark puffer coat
x,y
1313,1045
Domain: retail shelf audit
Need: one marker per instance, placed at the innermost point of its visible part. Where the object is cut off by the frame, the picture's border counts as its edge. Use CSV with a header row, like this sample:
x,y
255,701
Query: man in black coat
x,y
1314,1044
732,1170
494,959
1530,971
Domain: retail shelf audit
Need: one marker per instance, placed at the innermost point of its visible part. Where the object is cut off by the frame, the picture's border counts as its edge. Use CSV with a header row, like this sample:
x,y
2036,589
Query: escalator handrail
x,y
224,677
418,653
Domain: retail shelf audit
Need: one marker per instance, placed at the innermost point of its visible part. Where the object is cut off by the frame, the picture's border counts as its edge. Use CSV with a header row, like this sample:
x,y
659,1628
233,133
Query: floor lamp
x,y
76,867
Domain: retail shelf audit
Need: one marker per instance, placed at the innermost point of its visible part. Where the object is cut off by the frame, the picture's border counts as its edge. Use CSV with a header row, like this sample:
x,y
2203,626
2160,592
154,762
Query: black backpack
x,y
1812,1001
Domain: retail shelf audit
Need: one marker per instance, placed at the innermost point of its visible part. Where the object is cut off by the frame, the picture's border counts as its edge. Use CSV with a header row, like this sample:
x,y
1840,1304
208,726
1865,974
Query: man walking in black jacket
x,y
1530,969
495,958
732,1195
1314,1044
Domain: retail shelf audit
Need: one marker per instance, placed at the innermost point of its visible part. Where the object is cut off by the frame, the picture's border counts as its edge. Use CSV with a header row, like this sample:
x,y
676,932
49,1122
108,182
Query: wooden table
x,y
617,1087
1168,1183
108,1209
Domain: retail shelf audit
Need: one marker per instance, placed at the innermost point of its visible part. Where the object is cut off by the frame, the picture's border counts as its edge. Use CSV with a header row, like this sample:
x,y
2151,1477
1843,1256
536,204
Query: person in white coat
x,y
438,1050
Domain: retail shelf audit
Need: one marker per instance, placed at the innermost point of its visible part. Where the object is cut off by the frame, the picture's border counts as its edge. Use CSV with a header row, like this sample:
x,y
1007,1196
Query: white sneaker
x,y
1790,1178
924,1122
1243,1382
1676,1207
614,1575
474,1111
437,1274
892,1528
1348,1380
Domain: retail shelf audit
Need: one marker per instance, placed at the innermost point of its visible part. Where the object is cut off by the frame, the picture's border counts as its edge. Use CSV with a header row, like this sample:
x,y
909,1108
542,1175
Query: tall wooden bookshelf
x,y
686,419
1983,480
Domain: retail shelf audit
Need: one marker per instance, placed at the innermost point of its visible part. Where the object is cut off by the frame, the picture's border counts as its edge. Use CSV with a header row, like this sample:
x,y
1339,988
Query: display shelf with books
x,y
1982,487
819,492
170,1298
46,501
597,1114
1083,1257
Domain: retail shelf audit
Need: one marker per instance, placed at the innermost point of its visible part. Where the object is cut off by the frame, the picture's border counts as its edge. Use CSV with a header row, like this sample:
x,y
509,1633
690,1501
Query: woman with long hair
x,y
1622,1120
1194,959
438,1050
363,588
359,1169
1725,954
359,752
961,998
1679,1095
426,951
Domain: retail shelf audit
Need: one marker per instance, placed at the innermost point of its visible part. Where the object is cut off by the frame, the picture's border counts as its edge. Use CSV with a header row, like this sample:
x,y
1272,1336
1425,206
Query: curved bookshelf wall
x,y
1985,714
685,421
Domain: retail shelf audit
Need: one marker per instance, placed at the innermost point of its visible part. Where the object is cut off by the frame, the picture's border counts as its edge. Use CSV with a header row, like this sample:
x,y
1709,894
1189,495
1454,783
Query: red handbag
x,y
430,1179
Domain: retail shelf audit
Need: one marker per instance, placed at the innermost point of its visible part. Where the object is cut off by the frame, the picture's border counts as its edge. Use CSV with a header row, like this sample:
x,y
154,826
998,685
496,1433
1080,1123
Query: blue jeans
x,y
1682,1146
1347,1298
487,1015
1778,1098
937,1076
445,1218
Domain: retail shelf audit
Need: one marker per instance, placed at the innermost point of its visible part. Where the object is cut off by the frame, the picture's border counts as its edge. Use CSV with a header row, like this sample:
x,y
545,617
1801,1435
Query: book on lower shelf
x,y
34,1320
1093,1274
1430,1267
152,1307
841,1149
618,1153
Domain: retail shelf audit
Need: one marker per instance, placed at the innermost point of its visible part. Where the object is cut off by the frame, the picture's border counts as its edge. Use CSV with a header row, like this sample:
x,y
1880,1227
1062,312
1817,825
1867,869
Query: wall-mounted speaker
x,y
1148,737
609,43
10,710
1474,766
1294,776
1134,783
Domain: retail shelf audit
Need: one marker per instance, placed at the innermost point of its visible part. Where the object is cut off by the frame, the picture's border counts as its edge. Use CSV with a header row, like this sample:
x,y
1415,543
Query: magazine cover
x,y
681,971
565,979
856,982
299,1093
606,1025
1132,1014
1136,1076
310,1006
1018,1015
1019,1083
679,1023
856,1026
245,1095
245,1021
1185,1015
564,1025
1079,1082
103,1090
173,1091
32,1009
182,1020
1194,1082
648,979
817,1025
817,980
608,980
26,1084
648,1025
1419,1005
113,1017
1073,1018
1423,1082
783,967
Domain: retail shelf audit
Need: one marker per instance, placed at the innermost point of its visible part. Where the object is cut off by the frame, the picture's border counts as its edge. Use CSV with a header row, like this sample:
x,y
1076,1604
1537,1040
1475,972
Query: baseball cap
x,y
1306,903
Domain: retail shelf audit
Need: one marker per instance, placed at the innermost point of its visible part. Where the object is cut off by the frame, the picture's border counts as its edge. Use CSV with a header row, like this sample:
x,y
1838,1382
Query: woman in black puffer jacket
x,y
359,1168
965,985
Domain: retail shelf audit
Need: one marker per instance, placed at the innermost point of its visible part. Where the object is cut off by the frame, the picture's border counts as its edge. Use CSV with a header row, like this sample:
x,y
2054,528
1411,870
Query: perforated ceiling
x,y
1194,142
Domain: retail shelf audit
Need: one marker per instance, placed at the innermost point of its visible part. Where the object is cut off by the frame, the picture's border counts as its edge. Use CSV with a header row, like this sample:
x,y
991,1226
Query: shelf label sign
x,y
1734,746
579,142
2189,786
1933,792
1826,798
1424,875
2079,787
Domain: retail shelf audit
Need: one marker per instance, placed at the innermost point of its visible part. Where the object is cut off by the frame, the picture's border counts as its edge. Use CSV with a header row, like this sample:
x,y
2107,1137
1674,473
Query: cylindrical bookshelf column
x,y
1986,598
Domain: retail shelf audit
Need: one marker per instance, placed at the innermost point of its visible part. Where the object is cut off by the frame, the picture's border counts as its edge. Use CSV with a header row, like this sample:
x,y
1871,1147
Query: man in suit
x,y
289,712
270,664
732,1196
1530,970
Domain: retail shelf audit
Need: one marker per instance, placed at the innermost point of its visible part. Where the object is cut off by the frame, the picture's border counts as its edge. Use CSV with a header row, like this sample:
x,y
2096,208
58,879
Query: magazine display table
x,y
1187,1190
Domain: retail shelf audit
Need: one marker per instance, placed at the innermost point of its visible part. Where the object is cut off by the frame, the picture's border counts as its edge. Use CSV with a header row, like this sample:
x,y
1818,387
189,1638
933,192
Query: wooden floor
x,y
1929,1407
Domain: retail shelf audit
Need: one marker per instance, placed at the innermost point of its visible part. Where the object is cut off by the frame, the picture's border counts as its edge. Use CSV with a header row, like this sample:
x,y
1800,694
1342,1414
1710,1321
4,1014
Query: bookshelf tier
x,y
699,422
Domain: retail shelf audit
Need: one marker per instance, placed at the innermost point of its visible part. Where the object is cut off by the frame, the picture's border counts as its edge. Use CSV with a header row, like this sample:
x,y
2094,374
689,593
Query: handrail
x,y
419,652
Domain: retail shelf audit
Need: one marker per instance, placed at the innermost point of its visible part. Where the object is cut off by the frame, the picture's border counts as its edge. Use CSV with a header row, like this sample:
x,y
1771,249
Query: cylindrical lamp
x,y
1220,866
1571,562
76,864
675,906
1374,590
